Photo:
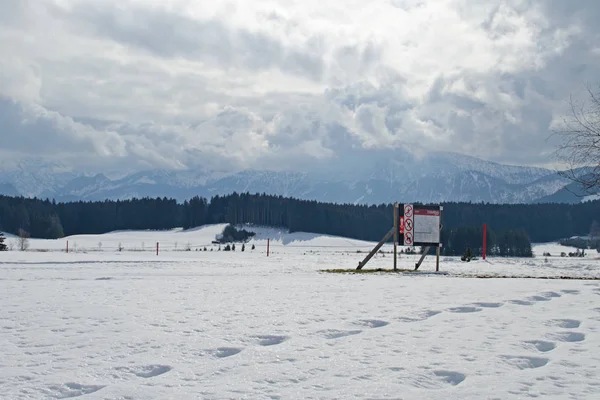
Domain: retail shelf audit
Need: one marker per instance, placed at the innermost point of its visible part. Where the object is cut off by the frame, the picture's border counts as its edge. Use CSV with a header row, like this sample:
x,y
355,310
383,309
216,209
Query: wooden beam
x,y
374,251
437,258
417,265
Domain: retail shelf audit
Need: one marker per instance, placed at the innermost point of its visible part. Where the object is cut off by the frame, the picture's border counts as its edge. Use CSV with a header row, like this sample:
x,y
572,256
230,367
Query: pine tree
x,y
595,229
467,255
3,247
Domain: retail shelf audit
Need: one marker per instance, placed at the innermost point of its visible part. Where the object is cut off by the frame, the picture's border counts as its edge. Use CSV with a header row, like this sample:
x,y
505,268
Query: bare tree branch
x,y
579,149
23,240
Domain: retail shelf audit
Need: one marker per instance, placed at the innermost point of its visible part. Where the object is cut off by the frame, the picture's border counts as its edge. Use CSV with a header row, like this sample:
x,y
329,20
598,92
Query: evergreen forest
x,y
511,228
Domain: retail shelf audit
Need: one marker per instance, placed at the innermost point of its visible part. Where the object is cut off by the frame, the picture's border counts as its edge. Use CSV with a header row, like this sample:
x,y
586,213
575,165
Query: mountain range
x,y
365,177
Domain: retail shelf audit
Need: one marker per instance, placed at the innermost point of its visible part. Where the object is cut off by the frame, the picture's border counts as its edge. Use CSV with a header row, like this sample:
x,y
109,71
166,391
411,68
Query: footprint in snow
x,y
525,362
488,305
451,377
270,340
546,296
371,323
224,352
521,302
569,337
464,309
420,317
336,334
429,379
569,291
146,371
567,323
540,345
538,298
551,294
68,390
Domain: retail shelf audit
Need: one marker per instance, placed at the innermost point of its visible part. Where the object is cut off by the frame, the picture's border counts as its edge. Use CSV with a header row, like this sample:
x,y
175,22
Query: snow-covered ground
x,y
104,324
591,197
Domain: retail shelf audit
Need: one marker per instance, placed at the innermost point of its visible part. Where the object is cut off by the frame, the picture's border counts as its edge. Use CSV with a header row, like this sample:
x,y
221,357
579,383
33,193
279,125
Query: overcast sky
x,y
135,84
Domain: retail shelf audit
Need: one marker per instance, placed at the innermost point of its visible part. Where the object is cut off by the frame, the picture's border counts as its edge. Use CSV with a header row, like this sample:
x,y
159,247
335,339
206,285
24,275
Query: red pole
x,y
67,246
156,248
268,242
484,239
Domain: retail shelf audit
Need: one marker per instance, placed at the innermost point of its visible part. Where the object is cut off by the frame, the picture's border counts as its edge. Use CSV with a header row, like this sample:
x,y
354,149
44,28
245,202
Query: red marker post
x,y
484,240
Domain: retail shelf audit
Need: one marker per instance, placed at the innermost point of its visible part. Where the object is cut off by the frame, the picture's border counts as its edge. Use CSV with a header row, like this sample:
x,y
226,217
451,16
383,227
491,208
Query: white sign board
x,y
426,226
420,225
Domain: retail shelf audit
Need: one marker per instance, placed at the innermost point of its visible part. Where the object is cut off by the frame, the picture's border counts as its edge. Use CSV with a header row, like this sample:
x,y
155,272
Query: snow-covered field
x,y
104,324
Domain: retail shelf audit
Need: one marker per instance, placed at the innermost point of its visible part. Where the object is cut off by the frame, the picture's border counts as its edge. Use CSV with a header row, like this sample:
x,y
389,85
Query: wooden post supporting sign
x,y
372,253
425,251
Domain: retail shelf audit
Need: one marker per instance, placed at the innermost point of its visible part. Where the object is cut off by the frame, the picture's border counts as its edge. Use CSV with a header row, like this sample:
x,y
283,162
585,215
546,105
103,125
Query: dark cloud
x,y
139,86
172,35
13,12
26,130
579,12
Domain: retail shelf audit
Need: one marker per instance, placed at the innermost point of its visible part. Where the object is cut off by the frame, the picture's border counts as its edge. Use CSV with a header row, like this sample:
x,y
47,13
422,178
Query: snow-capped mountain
x,y
368,178
32,176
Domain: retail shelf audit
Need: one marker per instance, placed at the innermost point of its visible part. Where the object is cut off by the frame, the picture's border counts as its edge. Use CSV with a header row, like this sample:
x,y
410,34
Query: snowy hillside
x,y
104,324
510,174
572,193
196,239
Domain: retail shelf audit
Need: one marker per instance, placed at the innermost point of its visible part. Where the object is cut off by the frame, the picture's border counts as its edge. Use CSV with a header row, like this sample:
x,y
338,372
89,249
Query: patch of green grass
x,y
413,272
365,271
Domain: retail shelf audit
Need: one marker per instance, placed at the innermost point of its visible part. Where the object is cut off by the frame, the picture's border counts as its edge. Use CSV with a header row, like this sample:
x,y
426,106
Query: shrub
x,y
231,234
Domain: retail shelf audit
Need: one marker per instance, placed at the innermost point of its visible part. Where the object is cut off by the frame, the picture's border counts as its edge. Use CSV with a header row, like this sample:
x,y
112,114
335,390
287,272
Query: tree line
x,y
508,243
48,219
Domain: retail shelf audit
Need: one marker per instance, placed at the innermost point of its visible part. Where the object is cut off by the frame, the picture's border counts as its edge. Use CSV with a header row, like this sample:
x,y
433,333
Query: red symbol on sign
x,y
401,224
408,210
408,239
408,224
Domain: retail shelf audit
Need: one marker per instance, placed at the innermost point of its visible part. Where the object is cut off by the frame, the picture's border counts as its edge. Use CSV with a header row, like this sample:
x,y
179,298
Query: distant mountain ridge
x,y
366,178
574,192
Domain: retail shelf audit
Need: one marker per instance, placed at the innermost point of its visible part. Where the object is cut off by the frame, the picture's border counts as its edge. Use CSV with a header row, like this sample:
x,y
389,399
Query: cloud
x,y
230,85
172,35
